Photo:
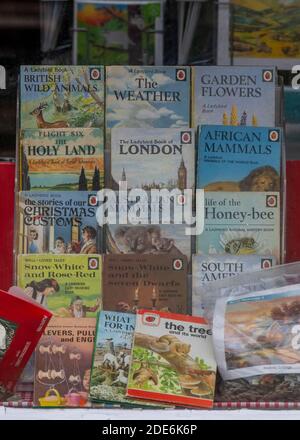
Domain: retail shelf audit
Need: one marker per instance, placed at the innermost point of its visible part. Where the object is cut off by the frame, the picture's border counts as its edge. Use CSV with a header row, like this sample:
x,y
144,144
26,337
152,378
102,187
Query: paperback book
x,y
61,96
64,159
241,223
228,95
156,282
172,360
68,285
239,158
63,360
58,223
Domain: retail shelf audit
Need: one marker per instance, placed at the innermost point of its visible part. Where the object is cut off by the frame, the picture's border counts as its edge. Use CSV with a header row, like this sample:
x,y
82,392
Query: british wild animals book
x,y
239,158
68,285
232,95
61,96
156,282
62,159
172,360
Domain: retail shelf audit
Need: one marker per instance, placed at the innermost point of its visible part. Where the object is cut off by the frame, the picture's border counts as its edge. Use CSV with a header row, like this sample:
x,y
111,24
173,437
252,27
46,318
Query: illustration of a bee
x,y
241,246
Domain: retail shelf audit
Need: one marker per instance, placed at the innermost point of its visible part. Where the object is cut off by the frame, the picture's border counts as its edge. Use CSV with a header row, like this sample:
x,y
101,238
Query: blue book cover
x,y
239,158
59,223
234,95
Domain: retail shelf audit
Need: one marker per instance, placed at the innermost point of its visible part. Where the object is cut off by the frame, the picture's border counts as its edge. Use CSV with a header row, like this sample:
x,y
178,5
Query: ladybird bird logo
x,y
273,135
92,200
267,75
95,74
93,263
271,201
177,264
266,263
186,137
151,319
180,74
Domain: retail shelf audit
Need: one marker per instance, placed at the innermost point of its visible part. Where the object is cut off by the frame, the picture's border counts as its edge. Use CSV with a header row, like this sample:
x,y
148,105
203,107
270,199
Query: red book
x,y
22,322
292,211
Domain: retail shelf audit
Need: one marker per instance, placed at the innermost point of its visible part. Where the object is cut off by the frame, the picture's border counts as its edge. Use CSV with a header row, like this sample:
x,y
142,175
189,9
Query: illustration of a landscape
x,y
266,28
116,34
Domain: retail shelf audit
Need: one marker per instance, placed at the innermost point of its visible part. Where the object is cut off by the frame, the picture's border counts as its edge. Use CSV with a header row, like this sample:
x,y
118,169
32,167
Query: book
x,y
239,158
239,95
152,159
58,222
239,223
63,360
157,282
210,268
68,285
172,360
22,322
61,96
62,160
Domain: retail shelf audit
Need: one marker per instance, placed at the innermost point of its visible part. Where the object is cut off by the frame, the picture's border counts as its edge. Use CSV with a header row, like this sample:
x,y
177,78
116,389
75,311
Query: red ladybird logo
x,y
186,137
95,74
93,200
151,319
181,200
180,75
177,264
267,75
271,201
266,263
273,135
93,263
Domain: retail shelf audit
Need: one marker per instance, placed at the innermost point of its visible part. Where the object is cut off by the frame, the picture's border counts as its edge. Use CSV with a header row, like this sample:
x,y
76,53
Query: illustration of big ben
x,y
182,176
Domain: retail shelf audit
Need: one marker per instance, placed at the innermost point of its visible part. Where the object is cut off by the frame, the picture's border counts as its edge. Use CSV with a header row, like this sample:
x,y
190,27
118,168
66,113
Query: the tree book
x,y
172,360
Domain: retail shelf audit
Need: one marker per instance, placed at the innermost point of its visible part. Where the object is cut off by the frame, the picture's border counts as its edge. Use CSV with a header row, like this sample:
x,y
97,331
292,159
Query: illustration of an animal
x,y
143,375
137,238
123,359
110,361
122,379
41,123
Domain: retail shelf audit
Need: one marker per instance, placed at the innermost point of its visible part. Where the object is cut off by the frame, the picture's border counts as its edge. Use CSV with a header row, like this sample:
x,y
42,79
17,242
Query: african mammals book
x,y
61,96
172,360
63,360
239,158
157,282
68,285
64,159
231,95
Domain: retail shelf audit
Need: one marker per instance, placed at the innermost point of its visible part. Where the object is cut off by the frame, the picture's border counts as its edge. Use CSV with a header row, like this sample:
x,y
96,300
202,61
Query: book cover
x,y
239,158
63,360
157,282
62,160
172,360
58,222
152,159
209,268
241,223
68,285
227,95
61,96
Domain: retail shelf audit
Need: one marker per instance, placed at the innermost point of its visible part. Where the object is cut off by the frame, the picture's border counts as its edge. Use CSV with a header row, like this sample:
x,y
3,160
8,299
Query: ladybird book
x,y
63,360
239,158
172,360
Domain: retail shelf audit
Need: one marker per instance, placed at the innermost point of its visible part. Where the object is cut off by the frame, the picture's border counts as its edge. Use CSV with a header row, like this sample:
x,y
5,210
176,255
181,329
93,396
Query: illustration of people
x,y
40,290
32,245
60,246
77,309
89,240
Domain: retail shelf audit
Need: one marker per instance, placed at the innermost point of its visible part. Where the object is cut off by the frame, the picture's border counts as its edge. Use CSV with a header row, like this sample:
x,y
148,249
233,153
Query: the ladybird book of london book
x,y
172,360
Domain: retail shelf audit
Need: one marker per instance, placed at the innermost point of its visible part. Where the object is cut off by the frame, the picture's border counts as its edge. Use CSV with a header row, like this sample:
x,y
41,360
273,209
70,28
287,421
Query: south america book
x,y
239,158
172,360
62,159
233,95
152,159
68,285
240,223
63,360
210,268
157,282
61,96
58,223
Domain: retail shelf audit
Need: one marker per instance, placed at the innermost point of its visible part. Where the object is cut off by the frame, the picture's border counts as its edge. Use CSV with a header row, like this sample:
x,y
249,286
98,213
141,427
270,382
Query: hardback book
x,y
240,223
22,322
172,360
156,282
61,96
239,158
152,159
64,159
58,222
68,285
233,95
63,360
210,268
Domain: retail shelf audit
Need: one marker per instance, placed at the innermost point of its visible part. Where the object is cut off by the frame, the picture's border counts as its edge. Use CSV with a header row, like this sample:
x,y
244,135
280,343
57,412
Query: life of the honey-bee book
x,y
62,159
241,223
61,96
231,95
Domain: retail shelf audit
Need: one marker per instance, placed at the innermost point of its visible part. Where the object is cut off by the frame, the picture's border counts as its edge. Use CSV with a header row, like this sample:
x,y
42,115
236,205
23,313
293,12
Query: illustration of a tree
x,y
225,119
96,180
254,121
82,184
234,115
25,171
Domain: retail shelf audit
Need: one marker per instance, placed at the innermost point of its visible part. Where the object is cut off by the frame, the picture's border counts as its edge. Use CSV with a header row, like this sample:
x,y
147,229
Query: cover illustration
x,y
63,360
68,285
59,223
61,96
239,158
230,95
156,282
172,360
62,160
